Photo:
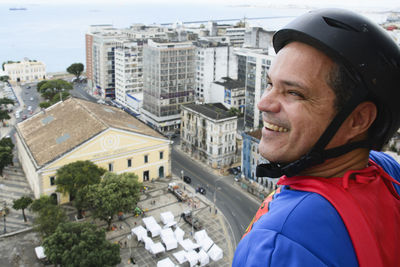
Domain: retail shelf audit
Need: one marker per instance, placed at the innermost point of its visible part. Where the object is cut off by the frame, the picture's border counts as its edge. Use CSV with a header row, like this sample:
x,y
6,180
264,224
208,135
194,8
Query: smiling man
x,y
332,97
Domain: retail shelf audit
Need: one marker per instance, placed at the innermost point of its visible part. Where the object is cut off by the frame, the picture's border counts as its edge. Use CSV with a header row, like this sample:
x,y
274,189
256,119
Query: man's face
x,y
298,105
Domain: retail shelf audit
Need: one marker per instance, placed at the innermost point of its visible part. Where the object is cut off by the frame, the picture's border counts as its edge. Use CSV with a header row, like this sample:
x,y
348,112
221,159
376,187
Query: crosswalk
x,y
14,185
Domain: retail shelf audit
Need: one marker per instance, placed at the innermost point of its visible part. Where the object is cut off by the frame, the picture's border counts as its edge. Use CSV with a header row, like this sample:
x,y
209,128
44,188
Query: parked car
x,y
201,190
233,171
187,179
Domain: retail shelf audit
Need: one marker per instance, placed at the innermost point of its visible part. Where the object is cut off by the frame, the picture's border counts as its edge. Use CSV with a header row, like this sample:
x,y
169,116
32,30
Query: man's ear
x,y
361,118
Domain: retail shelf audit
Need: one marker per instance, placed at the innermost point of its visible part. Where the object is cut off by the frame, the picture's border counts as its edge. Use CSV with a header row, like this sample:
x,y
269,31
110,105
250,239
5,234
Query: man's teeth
x,y
275,128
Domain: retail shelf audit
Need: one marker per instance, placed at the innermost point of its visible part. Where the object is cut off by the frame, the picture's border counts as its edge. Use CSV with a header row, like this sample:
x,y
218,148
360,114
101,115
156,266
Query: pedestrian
x,y
210,209
331,100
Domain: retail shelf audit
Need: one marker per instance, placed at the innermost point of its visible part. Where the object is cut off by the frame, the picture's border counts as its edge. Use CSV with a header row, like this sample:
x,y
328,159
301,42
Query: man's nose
x,y
269,102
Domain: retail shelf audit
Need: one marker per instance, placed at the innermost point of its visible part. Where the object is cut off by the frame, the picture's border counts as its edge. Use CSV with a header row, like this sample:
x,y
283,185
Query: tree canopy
x,y
22,203
71,178
48,89
115,193
76,69
80,244
49,215
4,78
6,153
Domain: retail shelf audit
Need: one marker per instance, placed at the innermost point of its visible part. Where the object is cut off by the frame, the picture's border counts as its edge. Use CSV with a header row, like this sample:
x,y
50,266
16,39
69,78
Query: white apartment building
x,y
129,73
229,92
257,37
236,36
214,60
168,82
208,133
253,65
101,41
26,70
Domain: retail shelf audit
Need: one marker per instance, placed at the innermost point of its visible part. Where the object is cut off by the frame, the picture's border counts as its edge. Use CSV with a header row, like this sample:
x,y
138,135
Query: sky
x,y
387,4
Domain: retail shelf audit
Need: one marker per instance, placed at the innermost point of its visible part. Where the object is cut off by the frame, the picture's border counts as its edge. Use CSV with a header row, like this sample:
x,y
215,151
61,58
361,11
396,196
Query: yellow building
x,y
26,71
80,130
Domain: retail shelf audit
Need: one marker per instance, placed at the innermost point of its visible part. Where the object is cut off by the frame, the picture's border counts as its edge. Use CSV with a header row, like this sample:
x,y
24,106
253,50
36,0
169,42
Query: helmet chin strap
x,y
318,154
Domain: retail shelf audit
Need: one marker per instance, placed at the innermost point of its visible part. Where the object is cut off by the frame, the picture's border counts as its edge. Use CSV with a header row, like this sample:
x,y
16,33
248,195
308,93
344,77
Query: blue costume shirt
x,y
302,229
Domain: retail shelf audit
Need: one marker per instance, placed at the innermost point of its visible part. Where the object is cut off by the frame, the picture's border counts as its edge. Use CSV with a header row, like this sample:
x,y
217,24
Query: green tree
x,y
115,193
21,204
49,215
4,78
6,101
44,104
49,89
80,244
76,69
6,153
234,112
74,176
41,203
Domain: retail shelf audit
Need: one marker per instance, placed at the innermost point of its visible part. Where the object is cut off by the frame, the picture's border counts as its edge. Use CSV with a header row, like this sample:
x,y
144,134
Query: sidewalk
x,y
156,200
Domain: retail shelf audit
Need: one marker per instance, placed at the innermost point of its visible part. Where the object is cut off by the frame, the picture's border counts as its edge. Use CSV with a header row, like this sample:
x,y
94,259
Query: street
x,y
236,206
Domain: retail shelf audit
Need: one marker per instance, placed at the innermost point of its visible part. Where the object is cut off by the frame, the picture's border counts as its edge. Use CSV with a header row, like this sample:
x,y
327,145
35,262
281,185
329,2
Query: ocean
x,y
55,34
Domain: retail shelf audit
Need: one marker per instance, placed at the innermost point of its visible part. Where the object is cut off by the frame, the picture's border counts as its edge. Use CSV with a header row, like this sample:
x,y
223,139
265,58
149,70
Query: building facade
x,y
129,73
255,63
26,71
251,158
107,136
229,92
214,60
208,133
169,75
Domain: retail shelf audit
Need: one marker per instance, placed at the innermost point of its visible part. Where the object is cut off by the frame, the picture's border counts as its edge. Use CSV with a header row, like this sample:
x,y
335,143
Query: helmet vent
x,y
338,24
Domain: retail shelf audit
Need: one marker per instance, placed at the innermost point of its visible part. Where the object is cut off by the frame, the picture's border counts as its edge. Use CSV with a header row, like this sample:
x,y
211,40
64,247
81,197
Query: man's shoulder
x,y
304,221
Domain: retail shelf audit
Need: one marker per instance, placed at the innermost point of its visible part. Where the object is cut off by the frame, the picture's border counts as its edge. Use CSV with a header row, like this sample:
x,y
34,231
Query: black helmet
x,y
371,58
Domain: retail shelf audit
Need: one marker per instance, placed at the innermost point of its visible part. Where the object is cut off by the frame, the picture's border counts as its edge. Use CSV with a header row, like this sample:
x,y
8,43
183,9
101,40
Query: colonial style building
x,y
208,133
26,71
80,130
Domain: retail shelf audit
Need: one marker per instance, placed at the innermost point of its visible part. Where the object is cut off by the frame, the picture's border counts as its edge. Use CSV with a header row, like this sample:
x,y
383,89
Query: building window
x,y
161,154
146,158
110,167
52,180
129,163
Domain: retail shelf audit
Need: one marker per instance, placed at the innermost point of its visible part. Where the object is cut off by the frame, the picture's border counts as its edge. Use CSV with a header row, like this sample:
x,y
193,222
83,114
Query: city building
x,y
208,133
253,65
169,69
257,37
129,74
214,60
25,70
75,130
251,158
236,35
229,92
101,41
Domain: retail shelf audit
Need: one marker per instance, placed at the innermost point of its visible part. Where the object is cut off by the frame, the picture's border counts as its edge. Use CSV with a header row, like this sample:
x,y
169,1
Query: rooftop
x,y
65,125
230,83
215,111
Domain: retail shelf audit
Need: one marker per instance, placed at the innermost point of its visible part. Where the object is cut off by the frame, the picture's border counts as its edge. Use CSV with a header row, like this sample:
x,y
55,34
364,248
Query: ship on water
x,y
17,8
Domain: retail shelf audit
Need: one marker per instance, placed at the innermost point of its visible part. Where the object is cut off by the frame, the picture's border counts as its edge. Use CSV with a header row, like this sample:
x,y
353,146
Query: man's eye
x,y
295,93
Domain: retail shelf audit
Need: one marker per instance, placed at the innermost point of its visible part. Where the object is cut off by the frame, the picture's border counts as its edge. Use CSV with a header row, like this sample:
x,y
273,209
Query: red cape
x,y
369,207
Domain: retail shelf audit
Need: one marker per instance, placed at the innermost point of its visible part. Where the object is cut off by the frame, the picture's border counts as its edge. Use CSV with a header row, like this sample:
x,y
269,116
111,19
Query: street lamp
x,y
130,246
215,191
5,212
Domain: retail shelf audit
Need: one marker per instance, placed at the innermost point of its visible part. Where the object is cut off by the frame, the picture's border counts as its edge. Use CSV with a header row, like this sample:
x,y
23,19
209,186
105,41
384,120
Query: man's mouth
x,y
275,128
